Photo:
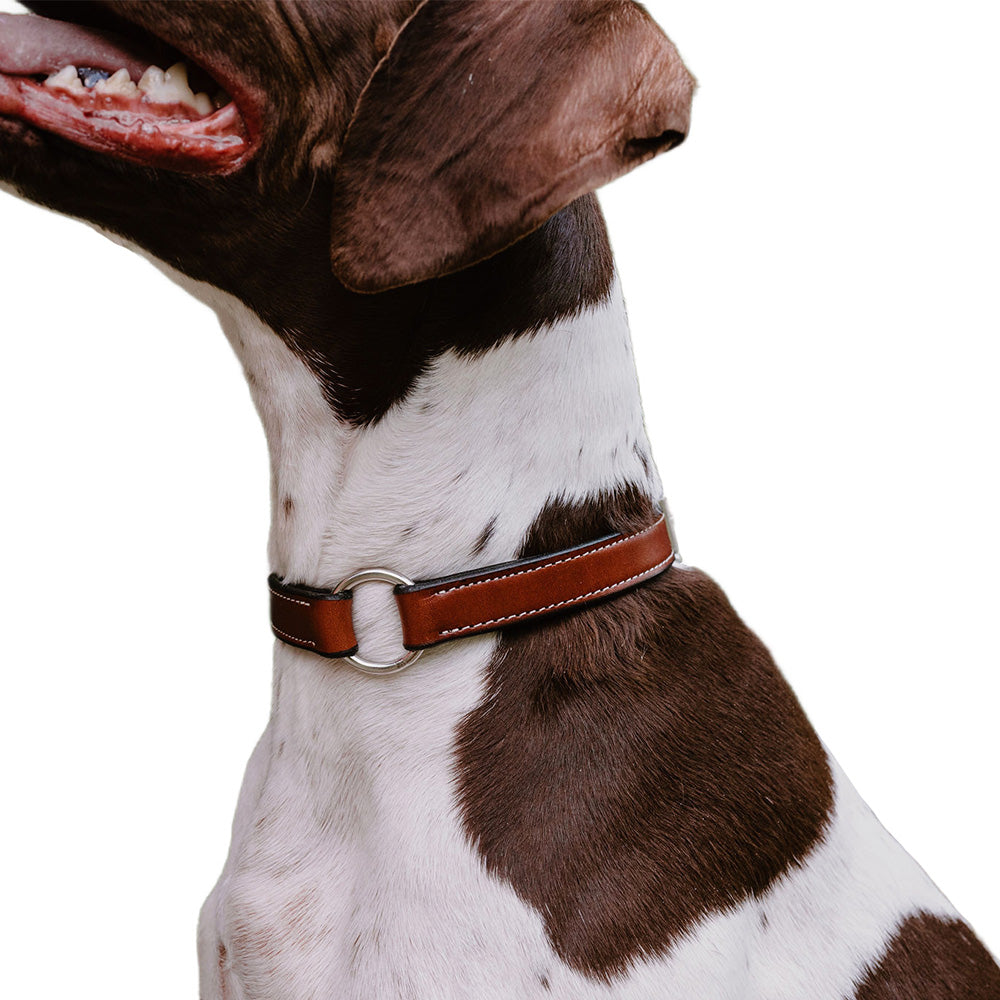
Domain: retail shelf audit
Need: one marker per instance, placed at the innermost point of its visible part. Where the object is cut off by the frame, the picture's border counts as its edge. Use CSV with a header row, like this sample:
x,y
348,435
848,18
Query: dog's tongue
x,y
30,44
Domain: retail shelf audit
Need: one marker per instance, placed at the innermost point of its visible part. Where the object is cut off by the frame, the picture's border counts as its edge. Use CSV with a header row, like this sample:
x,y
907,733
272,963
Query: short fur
x,y
627,802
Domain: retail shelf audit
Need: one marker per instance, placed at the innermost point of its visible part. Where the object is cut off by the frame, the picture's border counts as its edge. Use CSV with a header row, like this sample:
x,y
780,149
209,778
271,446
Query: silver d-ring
x,y
378,575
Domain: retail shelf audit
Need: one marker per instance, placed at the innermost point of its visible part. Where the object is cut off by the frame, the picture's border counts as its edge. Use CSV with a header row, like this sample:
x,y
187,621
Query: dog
x,y
624,800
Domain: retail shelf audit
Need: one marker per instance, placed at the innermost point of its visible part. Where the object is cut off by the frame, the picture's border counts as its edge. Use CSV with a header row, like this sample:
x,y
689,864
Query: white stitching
x,y
559,604
305,604
559,562
294,638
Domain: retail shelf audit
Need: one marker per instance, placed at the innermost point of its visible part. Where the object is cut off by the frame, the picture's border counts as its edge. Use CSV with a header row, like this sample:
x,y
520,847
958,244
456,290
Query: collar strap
x,y
451,607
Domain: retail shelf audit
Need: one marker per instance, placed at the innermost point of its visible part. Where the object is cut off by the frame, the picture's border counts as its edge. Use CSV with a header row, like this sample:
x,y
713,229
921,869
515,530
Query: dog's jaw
x,y
127,108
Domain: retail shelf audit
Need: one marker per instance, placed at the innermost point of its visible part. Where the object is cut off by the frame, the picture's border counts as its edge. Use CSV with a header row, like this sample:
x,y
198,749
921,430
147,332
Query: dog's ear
x,y
485,118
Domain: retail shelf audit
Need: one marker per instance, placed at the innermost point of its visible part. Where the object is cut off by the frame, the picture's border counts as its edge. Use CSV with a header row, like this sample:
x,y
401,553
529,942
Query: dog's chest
x,y
351,876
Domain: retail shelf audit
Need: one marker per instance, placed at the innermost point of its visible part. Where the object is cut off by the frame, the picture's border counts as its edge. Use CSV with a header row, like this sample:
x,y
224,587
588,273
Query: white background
x,y
812,287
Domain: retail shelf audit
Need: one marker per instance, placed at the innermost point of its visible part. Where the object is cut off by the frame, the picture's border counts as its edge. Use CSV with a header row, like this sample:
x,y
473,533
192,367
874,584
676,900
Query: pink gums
x,y
164,135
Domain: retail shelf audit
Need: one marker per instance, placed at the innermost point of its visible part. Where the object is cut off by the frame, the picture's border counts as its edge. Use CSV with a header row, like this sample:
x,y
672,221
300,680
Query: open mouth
x,y
100,91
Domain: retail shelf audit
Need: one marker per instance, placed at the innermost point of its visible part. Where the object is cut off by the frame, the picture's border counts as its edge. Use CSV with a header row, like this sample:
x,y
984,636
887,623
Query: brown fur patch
x,y
930,958
639,764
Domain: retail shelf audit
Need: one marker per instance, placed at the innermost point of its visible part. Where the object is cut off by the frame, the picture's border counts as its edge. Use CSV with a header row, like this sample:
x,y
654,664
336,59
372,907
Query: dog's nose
x,y
666,92
669,139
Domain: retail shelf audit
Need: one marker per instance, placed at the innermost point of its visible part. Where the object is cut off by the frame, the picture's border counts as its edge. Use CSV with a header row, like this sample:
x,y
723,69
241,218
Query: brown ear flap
x,y
486,118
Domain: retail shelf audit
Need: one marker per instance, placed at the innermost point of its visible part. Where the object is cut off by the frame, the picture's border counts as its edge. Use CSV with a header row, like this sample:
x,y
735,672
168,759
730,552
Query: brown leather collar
x,y
451,607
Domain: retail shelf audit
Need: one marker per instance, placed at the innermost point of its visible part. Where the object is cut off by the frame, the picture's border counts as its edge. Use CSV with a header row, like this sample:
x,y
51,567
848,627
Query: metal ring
x,y
378,575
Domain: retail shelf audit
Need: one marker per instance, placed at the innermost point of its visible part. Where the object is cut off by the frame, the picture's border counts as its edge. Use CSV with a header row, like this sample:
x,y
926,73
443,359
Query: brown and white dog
x,y
391,215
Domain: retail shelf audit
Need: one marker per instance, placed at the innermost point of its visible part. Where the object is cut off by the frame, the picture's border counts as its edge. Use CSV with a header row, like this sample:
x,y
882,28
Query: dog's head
x,y
412,138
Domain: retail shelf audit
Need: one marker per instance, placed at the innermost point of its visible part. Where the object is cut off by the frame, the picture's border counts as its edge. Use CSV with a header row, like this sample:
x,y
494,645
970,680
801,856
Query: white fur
x,y
347,829
552,415
348,874
825,921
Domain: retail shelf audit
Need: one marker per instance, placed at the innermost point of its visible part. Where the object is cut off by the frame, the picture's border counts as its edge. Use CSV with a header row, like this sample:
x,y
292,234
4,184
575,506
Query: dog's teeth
x,y
66,79
178,74
152,80
203,104
171,87
166,86
118,83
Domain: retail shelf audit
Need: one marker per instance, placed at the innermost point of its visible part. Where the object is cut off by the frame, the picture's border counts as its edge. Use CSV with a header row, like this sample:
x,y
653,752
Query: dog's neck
x,y
453,475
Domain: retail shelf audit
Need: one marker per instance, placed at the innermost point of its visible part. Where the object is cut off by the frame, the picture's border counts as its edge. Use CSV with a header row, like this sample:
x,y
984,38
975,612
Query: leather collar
x,y
485,599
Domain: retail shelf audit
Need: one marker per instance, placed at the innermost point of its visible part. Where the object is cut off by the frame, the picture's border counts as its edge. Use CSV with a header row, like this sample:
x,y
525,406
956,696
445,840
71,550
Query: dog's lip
x,y
32,45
